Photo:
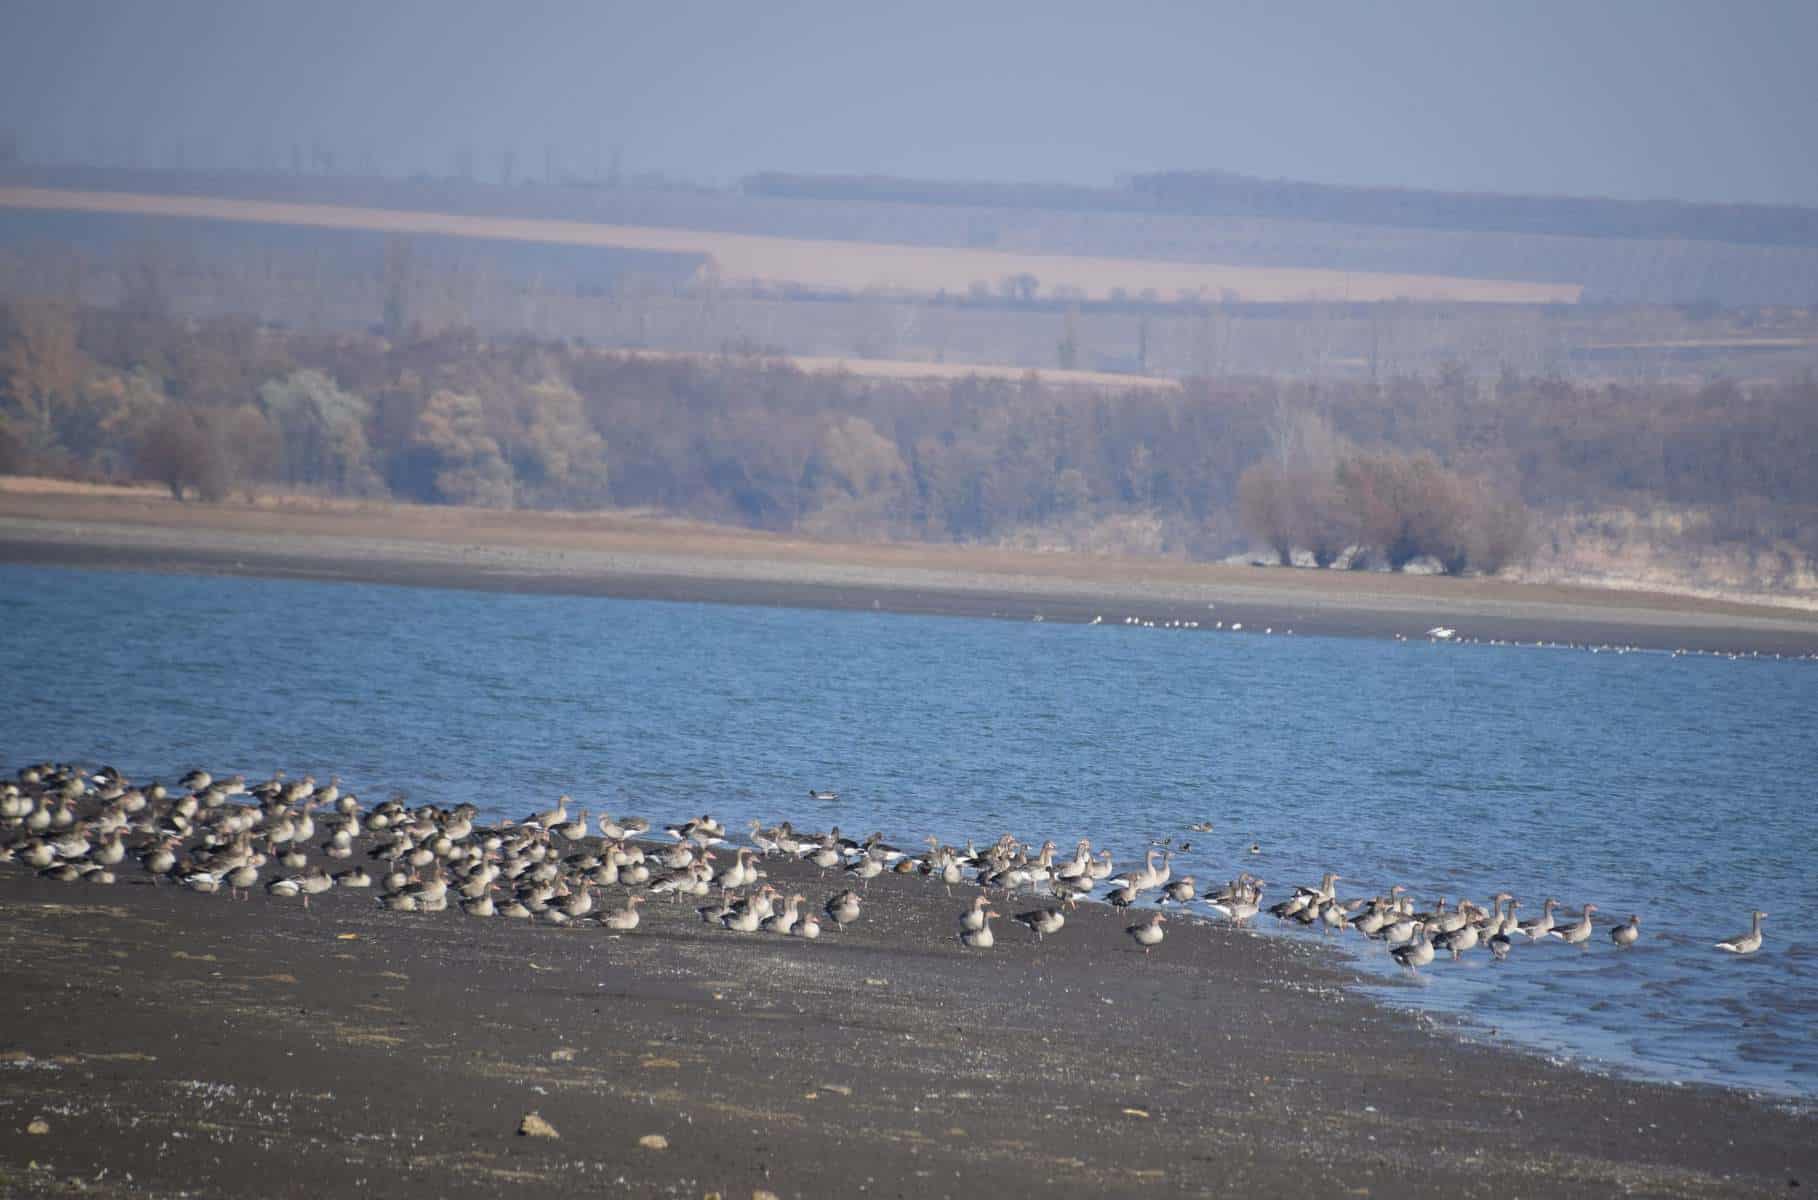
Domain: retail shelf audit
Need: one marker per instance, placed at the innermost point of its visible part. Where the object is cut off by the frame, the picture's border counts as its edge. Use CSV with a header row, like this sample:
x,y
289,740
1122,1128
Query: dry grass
x,y
835,265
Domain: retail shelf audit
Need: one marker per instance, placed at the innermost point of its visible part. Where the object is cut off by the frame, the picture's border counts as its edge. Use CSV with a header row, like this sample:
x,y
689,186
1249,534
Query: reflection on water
x,y
1675,788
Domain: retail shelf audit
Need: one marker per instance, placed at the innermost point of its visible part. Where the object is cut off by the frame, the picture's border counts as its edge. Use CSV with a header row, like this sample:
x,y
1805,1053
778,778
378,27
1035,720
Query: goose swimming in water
x,y
1417,953
1538,927
1579,934
1746,943
1629,934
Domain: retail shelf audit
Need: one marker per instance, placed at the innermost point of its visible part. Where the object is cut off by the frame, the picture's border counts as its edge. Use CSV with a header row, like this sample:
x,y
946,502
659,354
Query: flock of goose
x,y
212,834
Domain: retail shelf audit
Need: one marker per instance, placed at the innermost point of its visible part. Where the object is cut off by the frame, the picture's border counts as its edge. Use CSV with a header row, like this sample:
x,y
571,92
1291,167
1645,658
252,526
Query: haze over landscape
x,y
467,469
1630,99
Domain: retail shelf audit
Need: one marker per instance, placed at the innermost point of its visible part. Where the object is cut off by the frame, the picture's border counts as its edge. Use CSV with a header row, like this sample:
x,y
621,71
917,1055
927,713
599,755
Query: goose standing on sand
x,y
1148,933
1629,934
625,919
973,919
980,938
1746,943
1042,921
843,909
784,921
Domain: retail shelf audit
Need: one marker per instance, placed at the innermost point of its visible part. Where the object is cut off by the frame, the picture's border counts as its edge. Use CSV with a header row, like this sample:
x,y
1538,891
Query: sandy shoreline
x,y
180,1042
650,558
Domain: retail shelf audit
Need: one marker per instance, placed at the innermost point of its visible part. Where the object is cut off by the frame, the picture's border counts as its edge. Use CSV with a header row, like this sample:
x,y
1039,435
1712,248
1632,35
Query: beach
x,y
644,557
176,1043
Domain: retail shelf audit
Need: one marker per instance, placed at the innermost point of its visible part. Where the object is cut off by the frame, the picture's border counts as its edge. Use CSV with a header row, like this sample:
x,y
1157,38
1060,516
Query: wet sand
x,y
656,558
175,1042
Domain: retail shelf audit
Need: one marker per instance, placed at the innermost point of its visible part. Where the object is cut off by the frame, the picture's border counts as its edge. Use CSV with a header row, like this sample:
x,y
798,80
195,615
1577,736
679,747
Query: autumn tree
x,y
321,431
41,366
469,467
180,449
558,456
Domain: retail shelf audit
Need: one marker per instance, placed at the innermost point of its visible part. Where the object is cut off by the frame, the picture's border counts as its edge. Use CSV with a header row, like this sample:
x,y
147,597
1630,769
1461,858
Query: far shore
x,y
649,557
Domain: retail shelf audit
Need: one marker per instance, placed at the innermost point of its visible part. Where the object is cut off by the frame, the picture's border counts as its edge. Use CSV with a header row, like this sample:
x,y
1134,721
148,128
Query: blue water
x,y
1680,789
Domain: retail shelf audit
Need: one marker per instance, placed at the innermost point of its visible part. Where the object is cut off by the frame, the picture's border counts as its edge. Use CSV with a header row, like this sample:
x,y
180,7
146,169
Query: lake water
x,y
1681,789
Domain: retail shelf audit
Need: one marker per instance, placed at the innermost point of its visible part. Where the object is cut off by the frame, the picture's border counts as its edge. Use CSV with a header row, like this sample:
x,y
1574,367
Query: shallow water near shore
x,y
1679,789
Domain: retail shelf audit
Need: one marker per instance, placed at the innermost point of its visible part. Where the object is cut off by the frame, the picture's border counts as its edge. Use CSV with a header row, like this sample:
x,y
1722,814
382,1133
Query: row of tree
x,y
1447,466
1384,507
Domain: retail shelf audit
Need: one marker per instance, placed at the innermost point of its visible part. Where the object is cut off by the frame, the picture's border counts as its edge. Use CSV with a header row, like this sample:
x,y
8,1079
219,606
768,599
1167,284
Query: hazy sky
x,y
1639,98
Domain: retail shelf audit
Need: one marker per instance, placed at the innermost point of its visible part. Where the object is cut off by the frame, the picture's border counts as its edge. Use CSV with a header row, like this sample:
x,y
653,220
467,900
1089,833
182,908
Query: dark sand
x,y
653,558
183,1043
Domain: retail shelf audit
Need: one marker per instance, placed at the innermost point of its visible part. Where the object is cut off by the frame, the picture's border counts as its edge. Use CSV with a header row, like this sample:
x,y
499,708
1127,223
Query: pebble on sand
x,y
533,1125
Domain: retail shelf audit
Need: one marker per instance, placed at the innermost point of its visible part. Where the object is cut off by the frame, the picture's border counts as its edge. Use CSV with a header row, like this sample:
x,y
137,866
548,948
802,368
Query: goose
x,y
1500,944
1042,921
824,797
1148,933
786,920
808,927
843,909
1538,927
198,880
973,918
746,921
1629,934
161,857
980,938
626,918
1324,892
1458,940
717,911
1746,943
1178,891
1417,953
1372,922
1241,907
240,881
865,870
1580,933
578,903
550,818
356,878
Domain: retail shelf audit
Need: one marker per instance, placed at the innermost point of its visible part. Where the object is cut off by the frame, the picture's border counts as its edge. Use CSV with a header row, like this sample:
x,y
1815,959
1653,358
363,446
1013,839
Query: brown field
x,y
643,555
836,265
897,368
